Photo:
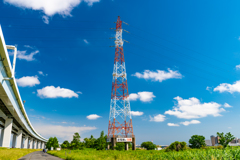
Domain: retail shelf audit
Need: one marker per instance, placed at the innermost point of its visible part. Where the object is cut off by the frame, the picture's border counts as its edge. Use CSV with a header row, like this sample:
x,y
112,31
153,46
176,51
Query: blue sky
x,y
182,65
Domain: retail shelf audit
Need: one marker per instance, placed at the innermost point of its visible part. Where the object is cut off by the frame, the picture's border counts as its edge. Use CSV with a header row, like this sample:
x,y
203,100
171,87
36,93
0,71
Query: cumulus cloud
x,y
41,73
25,56
237,67
158,118
186,123
28,81
52,92
172,124
93,116
193,108
227,105
142,96
159,75
136,113
50,7
61,132
45,19
86,41
226,87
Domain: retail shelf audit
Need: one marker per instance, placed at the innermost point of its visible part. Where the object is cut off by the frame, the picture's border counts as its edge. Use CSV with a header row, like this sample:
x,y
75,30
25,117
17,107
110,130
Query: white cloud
x,y
50,7
229,127
133,97
27,46
142,96
136,113
158,118
209,88
93,117
90,2
79,92
173,124
52,92
29,81
186,123
159,75
237,67
41,73
193,108
45,19
86,41
227,105
61,132
226,87
25,56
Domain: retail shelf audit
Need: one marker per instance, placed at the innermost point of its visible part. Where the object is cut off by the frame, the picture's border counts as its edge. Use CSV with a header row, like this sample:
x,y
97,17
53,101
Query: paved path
x,y
39,155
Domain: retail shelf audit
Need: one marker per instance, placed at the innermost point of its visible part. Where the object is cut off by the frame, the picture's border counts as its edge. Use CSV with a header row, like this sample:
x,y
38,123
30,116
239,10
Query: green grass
x,y
190,154
14,153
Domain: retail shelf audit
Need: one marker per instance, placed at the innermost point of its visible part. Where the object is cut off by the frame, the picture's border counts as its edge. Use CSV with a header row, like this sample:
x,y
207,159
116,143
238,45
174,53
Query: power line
x,y
154,60
181,46
179,61
180,53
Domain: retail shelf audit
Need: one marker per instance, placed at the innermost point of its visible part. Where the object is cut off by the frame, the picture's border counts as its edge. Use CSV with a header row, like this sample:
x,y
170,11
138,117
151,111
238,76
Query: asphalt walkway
x,y
39,155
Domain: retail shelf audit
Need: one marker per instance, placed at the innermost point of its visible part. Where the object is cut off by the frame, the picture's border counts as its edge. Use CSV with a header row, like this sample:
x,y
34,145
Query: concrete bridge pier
x,y
14,140
26,142
19,139
7,132
31,143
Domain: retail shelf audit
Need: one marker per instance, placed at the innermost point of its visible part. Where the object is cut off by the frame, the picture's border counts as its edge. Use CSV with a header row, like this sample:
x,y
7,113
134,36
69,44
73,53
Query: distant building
x,y
213,140
208,143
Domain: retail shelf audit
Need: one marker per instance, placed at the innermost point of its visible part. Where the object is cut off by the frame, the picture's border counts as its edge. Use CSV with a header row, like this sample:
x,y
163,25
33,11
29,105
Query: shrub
x,y
177,146
148,145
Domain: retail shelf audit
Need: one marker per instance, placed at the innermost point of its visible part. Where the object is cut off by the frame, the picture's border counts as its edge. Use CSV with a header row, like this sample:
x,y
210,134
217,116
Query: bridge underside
x,y
13,134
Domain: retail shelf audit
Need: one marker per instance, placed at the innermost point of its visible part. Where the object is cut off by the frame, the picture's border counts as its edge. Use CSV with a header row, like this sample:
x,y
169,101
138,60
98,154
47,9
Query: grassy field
x,y
190,154
13,153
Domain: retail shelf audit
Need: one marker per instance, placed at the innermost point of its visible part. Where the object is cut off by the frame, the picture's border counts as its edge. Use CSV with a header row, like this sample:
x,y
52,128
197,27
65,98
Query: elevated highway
x,y
16,129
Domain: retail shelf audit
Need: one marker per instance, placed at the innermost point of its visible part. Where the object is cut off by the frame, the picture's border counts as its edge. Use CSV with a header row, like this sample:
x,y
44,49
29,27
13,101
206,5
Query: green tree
x,y
101,142
76,143
225,139
121,146
177,146
65,145
52,142
149,145
89,142
197,141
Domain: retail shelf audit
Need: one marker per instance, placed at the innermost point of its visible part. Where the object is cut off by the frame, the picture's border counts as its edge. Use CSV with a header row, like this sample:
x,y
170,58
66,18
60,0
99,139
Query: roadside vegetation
x,y
14,153
95,149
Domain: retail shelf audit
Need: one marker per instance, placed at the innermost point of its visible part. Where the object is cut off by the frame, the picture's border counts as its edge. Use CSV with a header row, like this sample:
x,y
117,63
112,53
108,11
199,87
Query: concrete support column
x,y
38,144
133,143
26,142
7,133
31,143
14,141
113,140
35,144
19,139
41,145
1,137
126,146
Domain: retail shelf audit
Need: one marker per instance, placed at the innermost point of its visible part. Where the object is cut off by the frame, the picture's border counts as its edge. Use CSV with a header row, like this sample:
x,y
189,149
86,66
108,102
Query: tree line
x,y
91,142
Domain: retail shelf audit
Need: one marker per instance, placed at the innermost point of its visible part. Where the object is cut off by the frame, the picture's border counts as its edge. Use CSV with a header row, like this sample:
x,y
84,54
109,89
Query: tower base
x,y
114,141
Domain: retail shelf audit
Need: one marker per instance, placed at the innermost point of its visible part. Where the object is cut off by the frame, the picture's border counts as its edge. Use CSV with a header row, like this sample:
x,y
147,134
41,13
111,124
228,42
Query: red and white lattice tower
x,y
120,120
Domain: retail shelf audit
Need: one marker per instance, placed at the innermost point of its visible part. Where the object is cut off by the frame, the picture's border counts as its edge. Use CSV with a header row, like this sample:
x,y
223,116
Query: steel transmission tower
x,y
120,120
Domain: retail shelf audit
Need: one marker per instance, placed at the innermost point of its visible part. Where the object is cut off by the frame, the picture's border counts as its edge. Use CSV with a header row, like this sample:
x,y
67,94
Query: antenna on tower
x,y
120,127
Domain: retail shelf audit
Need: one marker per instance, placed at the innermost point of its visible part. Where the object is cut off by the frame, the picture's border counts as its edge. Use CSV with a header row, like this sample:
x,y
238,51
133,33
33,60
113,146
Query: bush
x,y
149,145
177,146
